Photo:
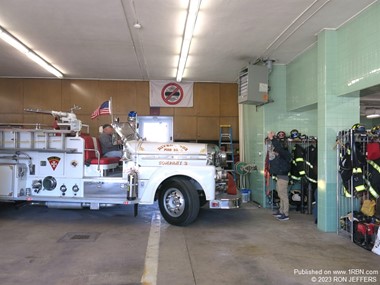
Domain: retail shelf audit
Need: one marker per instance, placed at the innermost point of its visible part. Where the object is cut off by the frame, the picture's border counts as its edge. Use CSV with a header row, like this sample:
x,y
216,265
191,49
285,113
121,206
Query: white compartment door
x,y
156,128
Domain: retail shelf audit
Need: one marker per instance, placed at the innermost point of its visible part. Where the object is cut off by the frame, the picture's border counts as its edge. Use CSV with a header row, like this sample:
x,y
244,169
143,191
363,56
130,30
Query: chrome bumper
x,y
226,201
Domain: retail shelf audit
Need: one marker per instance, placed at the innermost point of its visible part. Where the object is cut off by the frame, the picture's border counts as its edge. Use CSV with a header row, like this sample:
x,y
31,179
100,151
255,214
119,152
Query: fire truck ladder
x,y
226,144
33,139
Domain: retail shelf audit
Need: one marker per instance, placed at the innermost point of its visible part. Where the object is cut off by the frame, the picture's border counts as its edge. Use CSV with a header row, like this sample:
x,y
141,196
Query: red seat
x,y
93,155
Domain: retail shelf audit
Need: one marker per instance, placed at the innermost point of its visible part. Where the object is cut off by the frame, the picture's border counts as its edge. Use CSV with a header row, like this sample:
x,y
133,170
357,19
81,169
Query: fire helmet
x,y
303,137
358,128
375,130
294,134
281,135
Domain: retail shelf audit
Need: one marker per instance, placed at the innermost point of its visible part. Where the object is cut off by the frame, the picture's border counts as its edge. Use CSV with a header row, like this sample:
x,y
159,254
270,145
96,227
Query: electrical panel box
x,y
253,85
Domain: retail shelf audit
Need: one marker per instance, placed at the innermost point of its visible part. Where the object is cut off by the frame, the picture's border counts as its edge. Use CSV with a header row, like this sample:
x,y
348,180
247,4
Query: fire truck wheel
x,y
179,202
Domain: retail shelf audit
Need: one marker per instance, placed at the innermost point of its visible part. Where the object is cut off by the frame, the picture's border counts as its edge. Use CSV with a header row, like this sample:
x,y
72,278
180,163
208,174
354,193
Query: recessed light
x,y
137,25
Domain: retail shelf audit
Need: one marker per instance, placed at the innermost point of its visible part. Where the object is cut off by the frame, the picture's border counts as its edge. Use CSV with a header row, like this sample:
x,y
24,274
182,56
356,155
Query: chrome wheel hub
x,y
174,202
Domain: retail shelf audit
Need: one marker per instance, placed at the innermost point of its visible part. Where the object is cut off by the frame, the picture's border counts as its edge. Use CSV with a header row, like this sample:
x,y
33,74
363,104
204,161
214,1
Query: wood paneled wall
x,y
214,104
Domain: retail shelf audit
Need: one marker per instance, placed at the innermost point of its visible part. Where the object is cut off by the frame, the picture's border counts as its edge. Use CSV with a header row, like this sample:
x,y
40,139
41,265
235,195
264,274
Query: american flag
x,y
103,109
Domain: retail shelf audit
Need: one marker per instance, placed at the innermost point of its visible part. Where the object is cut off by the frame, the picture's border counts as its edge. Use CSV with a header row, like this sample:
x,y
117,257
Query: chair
x,y
94,161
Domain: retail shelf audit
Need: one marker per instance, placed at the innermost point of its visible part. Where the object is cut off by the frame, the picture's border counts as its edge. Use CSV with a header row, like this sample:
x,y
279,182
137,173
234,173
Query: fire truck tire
x,y
179,202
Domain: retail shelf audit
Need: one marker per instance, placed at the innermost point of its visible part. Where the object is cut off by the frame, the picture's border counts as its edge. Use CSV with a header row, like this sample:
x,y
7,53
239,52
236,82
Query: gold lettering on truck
x,y
171,162
171,147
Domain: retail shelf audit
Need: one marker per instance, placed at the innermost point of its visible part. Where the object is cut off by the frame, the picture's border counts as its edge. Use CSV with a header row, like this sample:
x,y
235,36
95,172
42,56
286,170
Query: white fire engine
x,y
65,169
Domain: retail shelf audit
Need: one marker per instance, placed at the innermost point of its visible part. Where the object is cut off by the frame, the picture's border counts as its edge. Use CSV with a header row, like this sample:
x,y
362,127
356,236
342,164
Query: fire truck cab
x,y
65,169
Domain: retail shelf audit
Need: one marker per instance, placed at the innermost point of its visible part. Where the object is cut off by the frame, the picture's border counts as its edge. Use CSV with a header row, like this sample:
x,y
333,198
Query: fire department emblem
x,y
54,160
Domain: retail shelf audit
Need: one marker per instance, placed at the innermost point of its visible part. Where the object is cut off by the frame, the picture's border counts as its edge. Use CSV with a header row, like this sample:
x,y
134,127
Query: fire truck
x,y
63,168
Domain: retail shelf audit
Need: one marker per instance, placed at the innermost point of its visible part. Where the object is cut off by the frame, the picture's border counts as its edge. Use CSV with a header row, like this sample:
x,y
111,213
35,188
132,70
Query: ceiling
x,y
96,39
370,101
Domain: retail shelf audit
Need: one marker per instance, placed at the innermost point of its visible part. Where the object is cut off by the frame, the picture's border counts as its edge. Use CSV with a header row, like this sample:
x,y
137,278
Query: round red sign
x,y
172,93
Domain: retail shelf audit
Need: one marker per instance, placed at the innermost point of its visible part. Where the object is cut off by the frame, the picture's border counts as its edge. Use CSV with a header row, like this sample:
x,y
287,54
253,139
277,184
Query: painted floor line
x,y
151,258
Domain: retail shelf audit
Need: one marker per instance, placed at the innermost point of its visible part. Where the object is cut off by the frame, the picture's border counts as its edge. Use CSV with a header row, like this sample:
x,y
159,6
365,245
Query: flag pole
x,y
110,107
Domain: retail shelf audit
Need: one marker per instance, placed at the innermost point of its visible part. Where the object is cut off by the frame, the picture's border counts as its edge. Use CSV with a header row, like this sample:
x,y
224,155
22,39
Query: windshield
x,y
127,131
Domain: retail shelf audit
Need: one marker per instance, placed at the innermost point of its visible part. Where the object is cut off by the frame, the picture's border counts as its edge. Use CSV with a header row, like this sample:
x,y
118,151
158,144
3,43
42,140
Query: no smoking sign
x,y
172,93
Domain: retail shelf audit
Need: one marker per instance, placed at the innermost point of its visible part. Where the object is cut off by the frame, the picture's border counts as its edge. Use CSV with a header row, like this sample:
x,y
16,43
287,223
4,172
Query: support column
x,y
334,113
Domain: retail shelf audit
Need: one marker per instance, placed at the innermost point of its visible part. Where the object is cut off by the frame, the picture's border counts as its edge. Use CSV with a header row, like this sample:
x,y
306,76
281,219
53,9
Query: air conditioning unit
x,y
253,85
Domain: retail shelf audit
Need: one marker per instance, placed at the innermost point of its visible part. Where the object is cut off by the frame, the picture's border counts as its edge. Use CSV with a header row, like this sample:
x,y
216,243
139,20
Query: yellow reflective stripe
x,y
374,165
309,164
346,193
371,190
295,177
348,152
302,172
298,159
357,170
311,180
359,188
373,193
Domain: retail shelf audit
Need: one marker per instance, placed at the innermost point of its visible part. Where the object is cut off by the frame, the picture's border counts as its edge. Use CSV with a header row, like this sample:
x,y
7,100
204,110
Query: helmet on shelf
x,y
303,137
358,128
281,135
294,134
375,130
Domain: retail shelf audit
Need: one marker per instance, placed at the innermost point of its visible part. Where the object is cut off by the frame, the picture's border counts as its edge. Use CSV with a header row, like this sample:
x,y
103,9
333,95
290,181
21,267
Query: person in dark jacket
x,y
108,147
279,167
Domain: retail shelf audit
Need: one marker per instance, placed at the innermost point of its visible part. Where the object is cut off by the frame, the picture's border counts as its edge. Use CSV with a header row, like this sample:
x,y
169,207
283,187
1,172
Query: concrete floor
x,y
110,246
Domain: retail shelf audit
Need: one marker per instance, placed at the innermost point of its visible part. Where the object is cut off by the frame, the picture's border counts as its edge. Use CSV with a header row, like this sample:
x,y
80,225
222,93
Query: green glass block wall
x,y
277,117
257,121
358,59
301,79
335,70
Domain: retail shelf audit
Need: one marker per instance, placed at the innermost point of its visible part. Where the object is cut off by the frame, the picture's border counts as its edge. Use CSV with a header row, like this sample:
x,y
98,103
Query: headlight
x,y
221,158
215,156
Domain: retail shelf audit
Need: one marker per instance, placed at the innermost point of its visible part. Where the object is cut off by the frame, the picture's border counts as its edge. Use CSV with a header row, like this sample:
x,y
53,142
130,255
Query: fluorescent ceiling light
x,y
7,37
191,19
372,116
372,113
